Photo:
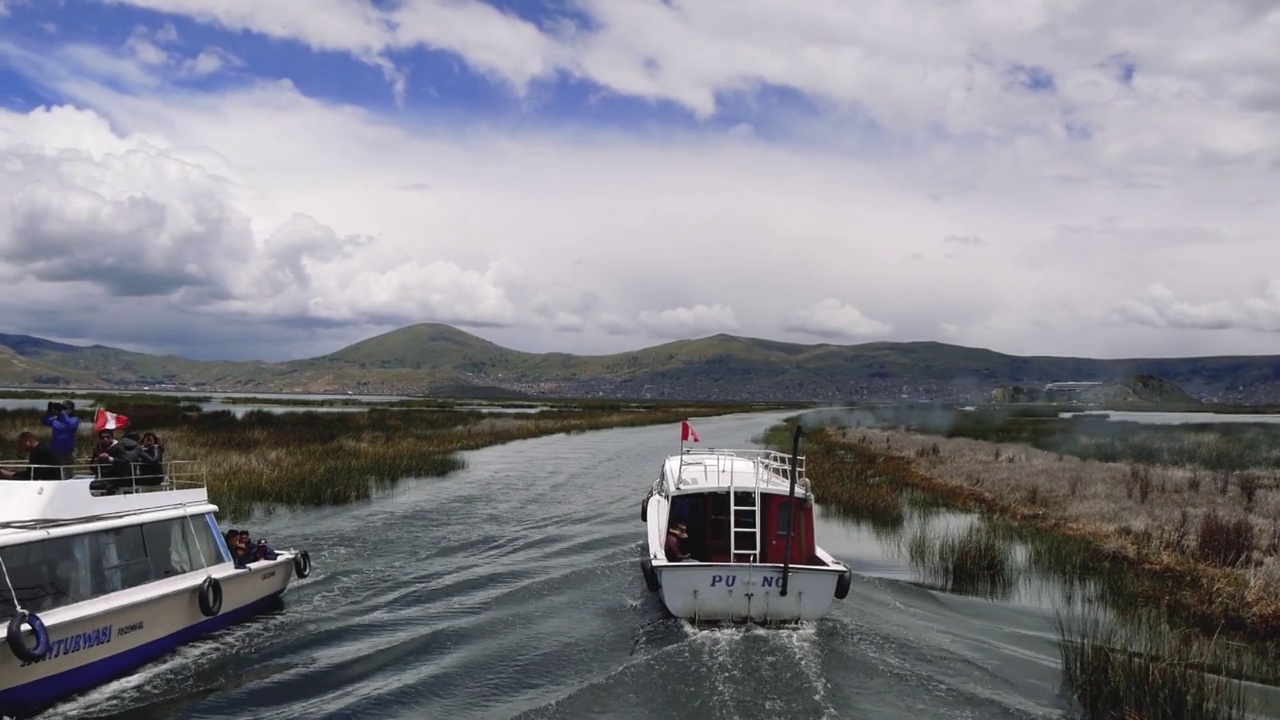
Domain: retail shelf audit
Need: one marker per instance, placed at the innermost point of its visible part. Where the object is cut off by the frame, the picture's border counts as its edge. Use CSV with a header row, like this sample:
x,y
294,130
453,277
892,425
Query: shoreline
x,y
1143,518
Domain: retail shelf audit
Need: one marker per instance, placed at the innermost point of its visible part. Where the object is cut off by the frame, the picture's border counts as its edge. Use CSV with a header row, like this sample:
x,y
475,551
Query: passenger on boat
x,y
150,460
42,462
675,534
113,460
237,543
263,551
61,418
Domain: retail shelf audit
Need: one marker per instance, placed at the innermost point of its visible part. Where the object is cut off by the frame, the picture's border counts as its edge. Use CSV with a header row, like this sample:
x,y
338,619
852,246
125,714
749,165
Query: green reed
x,y
975,561
1142,668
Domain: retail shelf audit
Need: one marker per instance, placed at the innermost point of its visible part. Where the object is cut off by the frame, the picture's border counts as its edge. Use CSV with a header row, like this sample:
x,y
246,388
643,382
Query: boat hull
x,y
92,650
723,592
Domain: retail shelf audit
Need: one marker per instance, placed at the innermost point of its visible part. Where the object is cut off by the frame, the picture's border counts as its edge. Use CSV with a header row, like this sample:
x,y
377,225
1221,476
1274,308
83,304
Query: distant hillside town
x,y
438,360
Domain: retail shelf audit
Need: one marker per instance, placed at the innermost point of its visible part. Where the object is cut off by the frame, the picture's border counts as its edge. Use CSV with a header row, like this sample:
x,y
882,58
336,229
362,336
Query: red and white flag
x,y
686,432
109,421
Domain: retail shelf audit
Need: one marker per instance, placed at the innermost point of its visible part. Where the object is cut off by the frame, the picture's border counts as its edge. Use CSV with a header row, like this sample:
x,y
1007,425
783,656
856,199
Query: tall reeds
x,y
975,561
1142,668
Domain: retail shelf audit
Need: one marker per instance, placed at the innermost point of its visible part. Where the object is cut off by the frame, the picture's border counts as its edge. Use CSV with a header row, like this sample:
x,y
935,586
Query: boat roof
x,y
695,471
53,506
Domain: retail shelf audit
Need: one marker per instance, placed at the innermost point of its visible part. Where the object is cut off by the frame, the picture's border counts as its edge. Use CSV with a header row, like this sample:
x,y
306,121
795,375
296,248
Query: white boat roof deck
x,y
42,505
697,470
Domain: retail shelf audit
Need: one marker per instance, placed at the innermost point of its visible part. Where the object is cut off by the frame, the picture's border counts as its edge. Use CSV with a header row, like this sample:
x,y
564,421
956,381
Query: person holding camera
x,y
62,419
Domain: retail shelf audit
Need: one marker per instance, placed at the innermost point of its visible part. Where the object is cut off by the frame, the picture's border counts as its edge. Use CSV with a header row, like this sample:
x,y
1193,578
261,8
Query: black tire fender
x,y
843,584
21,650
650,577
210,596
644,509
302,564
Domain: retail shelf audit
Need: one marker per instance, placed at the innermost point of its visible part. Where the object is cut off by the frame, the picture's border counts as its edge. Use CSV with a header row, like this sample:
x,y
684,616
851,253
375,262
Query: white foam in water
x,y
118,695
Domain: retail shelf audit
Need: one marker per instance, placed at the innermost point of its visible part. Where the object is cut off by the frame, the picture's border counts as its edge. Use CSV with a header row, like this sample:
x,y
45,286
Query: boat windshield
x,y
55,572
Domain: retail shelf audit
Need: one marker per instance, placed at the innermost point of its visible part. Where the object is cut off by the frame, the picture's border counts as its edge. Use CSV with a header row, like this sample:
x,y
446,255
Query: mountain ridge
x,y
417,358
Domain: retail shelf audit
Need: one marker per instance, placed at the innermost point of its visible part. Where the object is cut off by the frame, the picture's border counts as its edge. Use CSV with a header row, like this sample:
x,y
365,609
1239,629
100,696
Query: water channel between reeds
x,y
511,589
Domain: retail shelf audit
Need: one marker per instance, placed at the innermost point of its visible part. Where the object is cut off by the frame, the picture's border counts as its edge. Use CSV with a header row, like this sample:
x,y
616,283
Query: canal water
x,y
511,589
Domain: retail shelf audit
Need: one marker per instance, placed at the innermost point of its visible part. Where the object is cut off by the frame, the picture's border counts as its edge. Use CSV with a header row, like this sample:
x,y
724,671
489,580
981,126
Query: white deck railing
x,y
142,477
768,460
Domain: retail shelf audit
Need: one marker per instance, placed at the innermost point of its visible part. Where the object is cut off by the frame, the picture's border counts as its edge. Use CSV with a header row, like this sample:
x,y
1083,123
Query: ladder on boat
x,y
744,519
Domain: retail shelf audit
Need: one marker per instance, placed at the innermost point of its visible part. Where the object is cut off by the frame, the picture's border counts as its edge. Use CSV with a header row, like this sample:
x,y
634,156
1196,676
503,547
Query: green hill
x,y
427,358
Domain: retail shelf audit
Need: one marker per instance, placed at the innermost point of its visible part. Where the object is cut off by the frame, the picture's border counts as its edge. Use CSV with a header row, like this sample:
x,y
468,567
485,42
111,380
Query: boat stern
x,y
747,593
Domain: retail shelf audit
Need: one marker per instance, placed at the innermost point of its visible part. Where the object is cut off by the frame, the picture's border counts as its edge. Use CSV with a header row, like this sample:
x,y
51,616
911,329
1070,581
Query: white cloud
x,y
145,46
688,321
1153,160
833,319
1159,307
1196,84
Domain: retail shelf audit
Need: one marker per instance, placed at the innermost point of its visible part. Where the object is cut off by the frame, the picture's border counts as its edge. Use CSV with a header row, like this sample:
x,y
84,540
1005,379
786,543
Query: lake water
x,y
218,402
1176,418
512,589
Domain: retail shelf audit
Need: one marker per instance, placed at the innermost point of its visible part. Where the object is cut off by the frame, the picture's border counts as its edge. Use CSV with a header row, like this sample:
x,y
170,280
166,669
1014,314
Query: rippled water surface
x,y
512,589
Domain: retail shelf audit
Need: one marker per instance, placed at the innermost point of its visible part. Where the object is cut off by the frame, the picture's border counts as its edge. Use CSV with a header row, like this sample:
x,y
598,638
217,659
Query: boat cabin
x,y
64,541
737,509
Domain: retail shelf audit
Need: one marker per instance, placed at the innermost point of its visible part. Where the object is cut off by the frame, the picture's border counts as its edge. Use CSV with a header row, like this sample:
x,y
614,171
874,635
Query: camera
x,y
56,407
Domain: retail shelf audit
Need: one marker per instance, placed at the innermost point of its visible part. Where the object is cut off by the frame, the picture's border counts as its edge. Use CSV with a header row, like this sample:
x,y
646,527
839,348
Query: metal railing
x,y
766,462
136,477
769,460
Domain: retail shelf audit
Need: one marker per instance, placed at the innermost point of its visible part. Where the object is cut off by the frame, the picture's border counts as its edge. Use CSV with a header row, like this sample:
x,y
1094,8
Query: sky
x,y
248,180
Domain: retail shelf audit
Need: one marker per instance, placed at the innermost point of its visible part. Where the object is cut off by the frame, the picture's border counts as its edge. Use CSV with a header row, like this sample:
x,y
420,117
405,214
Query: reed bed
x,y
264,459
1130,537
1213,446
1144,669
1207,550
975,561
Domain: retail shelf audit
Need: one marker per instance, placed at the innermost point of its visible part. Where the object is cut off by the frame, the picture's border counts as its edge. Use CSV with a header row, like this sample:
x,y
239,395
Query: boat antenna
x,y
791,506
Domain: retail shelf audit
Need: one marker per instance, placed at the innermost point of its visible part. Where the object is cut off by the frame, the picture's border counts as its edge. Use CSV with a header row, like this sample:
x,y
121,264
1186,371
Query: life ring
x,y
210,596
843,584
302,564
20,649
650,577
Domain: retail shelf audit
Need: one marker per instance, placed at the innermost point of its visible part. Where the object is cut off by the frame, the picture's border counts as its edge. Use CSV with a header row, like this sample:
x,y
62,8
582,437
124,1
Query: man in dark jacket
x,y
114,460
674,551
61,417
43,464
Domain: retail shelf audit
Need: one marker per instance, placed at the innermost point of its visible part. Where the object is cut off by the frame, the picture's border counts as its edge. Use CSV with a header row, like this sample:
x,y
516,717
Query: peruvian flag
x,y
109,421
686,432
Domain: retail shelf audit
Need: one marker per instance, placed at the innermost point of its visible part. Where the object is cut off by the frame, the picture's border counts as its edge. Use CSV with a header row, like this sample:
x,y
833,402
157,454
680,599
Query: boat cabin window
x,y
784,517
52,573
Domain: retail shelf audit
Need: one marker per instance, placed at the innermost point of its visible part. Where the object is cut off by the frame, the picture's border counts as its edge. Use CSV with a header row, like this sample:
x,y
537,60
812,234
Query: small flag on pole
x,y
686,432
109,421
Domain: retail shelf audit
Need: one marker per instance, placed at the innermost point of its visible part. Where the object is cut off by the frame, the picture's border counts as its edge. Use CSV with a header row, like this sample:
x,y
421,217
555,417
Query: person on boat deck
x,y
114,459
673,549
41,460
61,418
242,552
150,460
263,551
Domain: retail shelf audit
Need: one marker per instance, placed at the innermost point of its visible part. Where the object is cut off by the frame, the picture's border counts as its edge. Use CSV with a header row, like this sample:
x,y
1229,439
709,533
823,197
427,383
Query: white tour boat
x,y
753,556
96,585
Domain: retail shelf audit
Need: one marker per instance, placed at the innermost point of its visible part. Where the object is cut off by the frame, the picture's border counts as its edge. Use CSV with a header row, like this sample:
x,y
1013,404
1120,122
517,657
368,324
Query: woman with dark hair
x,y
150,460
